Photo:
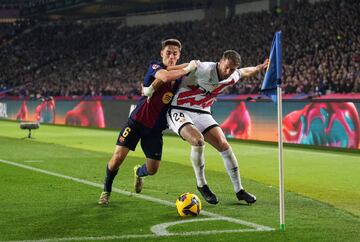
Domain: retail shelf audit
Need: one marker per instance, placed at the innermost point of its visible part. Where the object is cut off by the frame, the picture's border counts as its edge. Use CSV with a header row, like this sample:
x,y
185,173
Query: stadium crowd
x,y
321,49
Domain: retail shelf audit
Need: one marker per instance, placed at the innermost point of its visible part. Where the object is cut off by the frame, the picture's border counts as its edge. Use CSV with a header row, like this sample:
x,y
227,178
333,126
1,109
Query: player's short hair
x,y
167,42
233,56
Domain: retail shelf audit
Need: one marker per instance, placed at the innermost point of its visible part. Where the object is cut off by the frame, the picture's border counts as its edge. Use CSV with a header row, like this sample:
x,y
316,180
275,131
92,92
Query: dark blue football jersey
x,y
152,114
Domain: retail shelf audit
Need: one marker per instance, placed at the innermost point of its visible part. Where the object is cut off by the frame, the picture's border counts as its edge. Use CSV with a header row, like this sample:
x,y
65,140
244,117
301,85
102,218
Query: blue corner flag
x,y
272,77
270,86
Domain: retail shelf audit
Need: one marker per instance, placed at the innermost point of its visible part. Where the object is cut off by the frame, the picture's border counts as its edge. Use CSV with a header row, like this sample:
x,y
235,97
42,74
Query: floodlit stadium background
x,y
81,63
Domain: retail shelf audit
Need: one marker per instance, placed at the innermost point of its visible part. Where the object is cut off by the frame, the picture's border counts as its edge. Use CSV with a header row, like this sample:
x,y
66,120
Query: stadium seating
x,y
321,46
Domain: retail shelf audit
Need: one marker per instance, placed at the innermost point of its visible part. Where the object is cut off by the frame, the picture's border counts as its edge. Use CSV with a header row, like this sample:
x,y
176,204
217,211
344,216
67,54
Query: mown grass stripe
x,y
258,227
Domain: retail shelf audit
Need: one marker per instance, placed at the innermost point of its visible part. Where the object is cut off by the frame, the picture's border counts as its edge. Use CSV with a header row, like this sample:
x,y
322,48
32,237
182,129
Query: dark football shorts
x,y
150,139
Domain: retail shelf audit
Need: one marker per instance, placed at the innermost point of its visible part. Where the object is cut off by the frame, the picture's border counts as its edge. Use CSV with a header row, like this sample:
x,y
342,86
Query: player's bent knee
x,y
116,160
152,172
200,142
152,166
224,145
112,165
196,140
192,135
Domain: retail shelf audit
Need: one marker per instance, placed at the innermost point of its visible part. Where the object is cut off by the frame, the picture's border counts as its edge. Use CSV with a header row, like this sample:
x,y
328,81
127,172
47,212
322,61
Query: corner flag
x,y
271,87
272,77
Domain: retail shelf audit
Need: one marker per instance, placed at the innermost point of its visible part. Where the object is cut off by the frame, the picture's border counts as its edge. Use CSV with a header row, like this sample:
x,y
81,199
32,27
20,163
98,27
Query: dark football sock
x,y
142,171
109,178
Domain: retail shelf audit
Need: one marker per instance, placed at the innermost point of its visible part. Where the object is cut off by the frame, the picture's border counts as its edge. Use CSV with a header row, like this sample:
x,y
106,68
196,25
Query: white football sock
x,y
232,168
198,163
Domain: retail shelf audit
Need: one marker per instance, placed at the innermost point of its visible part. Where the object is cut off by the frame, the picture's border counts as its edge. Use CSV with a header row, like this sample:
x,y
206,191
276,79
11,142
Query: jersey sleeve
x,y
239,73
153,68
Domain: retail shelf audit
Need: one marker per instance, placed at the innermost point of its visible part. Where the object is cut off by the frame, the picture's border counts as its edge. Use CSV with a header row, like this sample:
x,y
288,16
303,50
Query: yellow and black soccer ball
x,y
188,204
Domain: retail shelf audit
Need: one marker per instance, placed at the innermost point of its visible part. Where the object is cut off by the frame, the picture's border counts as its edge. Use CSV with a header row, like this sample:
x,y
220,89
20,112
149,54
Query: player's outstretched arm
x,y
171,74
252,71
177,67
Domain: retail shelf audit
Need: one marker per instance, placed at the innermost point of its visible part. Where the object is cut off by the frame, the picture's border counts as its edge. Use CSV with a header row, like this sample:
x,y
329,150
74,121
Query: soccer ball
x,y
188,204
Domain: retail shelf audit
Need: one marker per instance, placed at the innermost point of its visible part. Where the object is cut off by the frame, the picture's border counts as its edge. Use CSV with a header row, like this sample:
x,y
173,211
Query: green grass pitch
x,y
50,185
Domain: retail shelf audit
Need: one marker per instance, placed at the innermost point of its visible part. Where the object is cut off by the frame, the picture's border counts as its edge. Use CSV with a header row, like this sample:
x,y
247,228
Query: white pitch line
x,y
161,229
257,227
32,161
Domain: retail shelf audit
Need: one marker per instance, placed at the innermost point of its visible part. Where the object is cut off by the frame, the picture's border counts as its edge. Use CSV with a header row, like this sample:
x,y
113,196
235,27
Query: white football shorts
x,y
178,118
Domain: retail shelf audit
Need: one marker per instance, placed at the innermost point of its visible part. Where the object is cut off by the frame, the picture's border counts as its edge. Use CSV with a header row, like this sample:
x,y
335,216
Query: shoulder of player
x,y
206,67
154,65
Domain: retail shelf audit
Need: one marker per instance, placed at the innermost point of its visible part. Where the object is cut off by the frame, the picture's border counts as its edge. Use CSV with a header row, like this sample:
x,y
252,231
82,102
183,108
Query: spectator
x,y
321,45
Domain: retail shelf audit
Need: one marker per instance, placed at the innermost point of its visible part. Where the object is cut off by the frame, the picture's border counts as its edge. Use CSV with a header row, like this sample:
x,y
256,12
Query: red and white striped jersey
x,y
198,90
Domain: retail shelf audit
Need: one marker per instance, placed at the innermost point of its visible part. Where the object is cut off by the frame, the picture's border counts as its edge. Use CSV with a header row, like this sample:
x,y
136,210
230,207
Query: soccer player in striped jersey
x,y
190,117
148,119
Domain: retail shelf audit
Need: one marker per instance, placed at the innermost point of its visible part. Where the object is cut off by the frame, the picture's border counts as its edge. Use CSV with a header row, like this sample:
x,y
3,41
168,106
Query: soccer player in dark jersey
x,y
148,119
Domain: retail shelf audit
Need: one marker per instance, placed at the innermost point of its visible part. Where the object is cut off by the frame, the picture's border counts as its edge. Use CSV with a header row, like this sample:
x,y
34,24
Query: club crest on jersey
x,y
166,98
155,66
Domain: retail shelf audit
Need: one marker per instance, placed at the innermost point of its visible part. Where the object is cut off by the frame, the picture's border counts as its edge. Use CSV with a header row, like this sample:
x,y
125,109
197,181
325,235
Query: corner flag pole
x,y
281,164
280,133
280,130
271,87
